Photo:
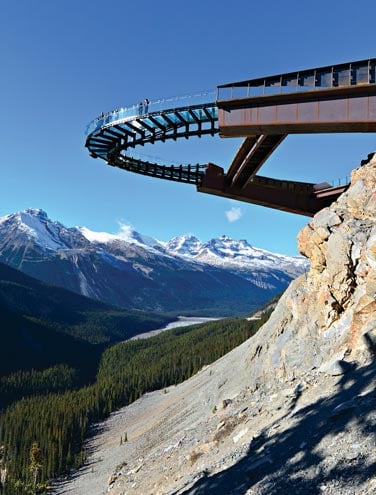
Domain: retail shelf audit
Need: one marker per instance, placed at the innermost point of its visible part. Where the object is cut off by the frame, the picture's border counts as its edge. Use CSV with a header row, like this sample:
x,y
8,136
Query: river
x,y
182,321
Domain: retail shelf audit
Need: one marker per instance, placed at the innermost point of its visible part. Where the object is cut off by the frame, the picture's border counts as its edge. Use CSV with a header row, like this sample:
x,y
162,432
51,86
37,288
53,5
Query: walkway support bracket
x,y
301,198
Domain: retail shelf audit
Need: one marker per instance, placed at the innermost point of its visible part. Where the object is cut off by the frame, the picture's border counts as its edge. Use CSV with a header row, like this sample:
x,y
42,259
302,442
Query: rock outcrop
x,y
326,313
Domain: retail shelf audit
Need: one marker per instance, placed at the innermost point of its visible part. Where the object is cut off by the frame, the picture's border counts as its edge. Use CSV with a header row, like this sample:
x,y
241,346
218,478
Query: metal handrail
x,y
357,73
137,110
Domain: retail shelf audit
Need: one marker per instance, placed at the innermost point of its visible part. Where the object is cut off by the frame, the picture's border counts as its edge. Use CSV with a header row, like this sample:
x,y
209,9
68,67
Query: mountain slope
x,y
27,344
131,270
42,325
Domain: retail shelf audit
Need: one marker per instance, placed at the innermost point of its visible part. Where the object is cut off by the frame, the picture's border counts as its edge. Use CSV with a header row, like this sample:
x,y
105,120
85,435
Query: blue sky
x,y
65,61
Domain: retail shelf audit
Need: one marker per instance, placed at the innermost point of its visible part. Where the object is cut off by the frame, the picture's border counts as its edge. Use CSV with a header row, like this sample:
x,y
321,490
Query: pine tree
x,y
36,463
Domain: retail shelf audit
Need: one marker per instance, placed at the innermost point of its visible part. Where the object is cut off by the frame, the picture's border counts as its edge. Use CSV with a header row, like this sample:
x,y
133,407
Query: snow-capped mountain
x,y
225,251
131,270
254,264
127,235
184,245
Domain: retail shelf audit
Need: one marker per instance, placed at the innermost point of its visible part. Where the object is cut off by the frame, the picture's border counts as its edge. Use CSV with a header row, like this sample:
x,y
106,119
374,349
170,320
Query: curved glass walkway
x,y
114,135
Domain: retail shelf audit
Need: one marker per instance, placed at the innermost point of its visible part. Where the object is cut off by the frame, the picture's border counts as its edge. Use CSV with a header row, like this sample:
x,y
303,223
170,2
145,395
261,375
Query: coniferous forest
x,y
49,412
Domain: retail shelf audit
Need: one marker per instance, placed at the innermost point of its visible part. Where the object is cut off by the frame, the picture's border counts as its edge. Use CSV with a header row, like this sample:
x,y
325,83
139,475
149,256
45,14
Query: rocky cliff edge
x,y
328,313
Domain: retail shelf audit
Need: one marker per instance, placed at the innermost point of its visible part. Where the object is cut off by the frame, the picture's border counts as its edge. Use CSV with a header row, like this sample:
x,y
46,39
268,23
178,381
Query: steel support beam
x,y
295,197
250,158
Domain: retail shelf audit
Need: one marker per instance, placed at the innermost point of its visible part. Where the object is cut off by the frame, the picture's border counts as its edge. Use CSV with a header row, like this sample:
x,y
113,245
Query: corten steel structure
x,y
338,98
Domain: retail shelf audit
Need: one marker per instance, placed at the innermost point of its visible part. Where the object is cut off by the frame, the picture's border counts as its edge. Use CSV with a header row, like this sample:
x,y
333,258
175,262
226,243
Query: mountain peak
x,y
101,237
127,234
34,224
35,212
184,245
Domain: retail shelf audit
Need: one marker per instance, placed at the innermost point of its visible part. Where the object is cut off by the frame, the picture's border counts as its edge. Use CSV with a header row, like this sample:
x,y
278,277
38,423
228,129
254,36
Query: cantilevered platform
x,y
338,98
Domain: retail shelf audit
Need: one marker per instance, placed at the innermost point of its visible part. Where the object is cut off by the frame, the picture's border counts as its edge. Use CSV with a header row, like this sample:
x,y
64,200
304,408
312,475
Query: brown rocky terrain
x,y
292,410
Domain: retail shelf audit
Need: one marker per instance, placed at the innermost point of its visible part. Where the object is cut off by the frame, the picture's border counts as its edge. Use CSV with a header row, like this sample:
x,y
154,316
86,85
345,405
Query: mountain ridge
x,y
136,271
42,325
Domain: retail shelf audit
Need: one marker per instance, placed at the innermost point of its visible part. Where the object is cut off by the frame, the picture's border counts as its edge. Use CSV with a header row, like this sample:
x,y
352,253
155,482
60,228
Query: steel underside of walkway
x,y
340,98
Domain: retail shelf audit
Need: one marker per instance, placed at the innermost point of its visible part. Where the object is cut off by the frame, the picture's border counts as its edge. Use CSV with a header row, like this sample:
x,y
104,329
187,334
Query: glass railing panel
x,y
151,159
290,89
324,79
275,82
141,109
372,72
360,74
307,80
291,80
341,77
272,90
256,90
224,93
239,92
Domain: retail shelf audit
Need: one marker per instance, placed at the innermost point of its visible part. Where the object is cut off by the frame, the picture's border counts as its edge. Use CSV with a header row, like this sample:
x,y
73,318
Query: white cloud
x,y
234,213
128,234
125,231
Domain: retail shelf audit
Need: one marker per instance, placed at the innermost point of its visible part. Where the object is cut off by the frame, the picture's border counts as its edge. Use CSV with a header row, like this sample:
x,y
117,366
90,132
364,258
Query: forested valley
x,y
49,412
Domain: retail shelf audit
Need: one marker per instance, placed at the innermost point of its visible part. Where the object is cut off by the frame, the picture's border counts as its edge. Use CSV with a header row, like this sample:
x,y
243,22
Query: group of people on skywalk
x,y
143,107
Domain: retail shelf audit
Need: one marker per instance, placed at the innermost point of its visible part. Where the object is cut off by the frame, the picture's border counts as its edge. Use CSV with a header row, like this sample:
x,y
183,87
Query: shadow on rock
x,y
293,461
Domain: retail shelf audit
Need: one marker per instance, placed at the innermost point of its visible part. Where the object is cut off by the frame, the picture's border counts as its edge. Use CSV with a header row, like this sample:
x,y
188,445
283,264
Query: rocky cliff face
x,y
341,244
327,312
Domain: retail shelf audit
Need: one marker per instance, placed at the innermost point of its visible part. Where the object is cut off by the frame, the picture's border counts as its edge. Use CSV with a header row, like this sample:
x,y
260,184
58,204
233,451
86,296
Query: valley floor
x,y
182,321
210,435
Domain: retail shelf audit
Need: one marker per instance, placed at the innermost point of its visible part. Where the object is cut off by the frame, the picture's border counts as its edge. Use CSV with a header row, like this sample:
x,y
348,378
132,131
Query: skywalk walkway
x,y
338,98
114,136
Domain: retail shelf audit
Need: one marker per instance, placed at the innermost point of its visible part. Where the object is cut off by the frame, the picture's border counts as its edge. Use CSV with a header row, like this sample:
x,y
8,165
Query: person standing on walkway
x,y
146,105
140,108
